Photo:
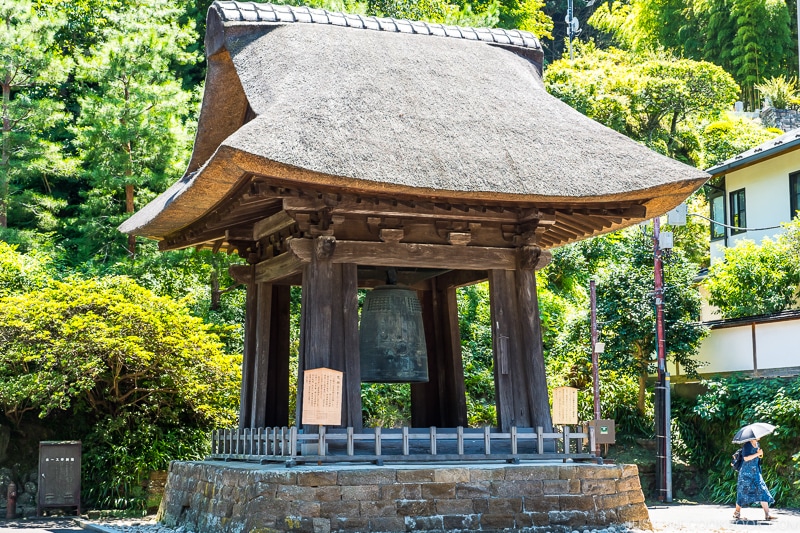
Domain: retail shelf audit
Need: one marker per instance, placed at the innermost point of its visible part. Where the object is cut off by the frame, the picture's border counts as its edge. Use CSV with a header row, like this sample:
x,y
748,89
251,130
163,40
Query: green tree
x,y
114,349
20,273
626,314
31,70
131,133
729,136
757,279
751,39
654,99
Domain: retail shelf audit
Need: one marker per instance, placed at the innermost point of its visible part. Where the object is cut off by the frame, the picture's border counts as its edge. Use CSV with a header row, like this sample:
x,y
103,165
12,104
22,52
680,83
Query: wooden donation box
x,y
59,475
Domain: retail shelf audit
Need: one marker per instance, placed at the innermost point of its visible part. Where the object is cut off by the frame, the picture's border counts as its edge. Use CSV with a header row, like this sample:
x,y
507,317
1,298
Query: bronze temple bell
x,y
392,337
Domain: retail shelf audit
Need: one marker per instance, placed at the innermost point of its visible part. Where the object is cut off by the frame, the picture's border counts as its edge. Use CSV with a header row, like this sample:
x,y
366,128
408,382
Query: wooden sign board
x,y
322,397
565,405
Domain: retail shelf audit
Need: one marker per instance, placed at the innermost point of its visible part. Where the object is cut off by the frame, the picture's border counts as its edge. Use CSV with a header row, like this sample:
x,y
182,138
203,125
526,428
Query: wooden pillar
x,y
520,380
249,355
271,396
442,401
329,327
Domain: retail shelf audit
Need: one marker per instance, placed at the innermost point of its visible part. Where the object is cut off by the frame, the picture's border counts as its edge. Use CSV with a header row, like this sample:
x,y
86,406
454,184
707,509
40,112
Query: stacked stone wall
x,y
213,497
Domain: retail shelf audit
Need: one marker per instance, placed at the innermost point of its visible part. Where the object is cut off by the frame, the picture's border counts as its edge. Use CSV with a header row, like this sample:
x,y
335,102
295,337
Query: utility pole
x,y
662,393
568,20
595,373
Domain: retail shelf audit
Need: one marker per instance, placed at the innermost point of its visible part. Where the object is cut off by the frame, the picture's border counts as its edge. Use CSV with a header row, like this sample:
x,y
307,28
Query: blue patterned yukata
x,y
751,488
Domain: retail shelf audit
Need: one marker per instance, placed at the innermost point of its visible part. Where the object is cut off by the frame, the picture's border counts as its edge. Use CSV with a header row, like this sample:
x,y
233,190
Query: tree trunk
x,y
129,209
5,154
640,406
640,403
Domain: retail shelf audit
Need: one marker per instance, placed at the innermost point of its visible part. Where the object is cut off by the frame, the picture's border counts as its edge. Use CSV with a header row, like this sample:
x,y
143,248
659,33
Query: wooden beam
x,y
574,224
281,266
242,273
440,256
271,225
592,220
426,210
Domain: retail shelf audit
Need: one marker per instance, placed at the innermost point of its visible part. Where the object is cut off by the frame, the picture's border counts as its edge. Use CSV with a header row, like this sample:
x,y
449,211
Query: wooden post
x,y
262,359
249,355
329,327
520,380
442,401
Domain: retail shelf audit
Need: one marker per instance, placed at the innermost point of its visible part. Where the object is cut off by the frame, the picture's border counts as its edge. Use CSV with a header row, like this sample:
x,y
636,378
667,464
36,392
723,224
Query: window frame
x,y
717,192
738,211
794,194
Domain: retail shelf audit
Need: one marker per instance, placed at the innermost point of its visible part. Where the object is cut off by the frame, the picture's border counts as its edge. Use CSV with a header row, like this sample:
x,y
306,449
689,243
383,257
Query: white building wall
x,y
766,186
730,349
727,350
778,344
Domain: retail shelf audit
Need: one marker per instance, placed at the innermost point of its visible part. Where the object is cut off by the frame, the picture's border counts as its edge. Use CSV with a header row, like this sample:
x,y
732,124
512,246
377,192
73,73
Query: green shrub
x,y
779,91
707,425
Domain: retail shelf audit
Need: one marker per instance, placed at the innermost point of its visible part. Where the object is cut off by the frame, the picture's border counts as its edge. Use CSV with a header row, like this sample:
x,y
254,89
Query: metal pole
x,y
595,374
662,396
569,27
668,441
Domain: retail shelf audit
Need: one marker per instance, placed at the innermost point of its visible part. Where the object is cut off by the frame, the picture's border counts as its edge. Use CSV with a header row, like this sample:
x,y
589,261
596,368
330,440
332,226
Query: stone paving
x,y
674,518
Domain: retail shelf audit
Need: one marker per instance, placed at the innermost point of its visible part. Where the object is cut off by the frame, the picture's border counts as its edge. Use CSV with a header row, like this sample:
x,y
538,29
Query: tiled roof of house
x,y
773,147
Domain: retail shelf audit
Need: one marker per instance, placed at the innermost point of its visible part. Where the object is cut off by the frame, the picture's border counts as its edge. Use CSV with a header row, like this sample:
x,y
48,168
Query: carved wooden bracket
x,y
324,245
392,234
533,257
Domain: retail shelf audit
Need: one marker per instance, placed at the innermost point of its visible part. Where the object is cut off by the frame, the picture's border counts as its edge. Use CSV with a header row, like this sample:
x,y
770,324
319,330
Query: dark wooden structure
x,y
331,147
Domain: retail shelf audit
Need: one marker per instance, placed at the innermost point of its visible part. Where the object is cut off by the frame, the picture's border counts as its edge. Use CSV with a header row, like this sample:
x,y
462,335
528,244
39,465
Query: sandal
x,y
737,515
770,517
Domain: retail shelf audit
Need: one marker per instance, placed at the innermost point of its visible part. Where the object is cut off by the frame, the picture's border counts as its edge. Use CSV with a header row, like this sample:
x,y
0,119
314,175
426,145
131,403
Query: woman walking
x,y
750,487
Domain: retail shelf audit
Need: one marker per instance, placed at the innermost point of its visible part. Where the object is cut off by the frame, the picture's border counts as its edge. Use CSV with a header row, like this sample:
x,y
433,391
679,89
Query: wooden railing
x,y
287,444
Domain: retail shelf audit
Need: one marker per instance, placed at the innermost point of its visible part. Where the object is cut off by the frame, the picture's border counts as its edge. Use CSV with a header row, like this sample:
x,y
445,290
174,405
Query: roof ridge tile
x,y
251,12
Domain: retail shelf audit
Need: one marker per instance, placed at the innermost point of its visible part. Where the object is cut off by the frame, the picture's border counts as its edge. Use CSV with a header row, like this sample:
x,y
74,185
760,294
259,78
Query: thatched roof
x,y
396,108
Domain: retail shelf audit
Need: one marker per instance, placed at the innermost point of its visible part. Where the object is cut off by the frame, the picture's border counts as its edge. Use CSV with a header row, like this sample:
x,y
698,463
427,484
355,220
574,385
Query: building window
x,y
716,200
738,218
794,194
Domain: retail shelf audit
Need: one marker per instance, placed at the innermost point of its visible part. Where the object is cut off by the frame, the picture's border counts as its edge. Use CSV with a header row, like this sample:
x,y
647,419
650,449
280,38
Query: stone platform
x,y
234,497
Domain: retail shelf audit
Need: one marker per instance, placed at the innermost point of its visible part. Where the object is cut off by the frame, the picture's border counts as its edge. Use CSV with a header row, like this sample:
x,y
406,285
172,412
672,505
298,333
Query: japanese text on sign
x,y
565,405
322,397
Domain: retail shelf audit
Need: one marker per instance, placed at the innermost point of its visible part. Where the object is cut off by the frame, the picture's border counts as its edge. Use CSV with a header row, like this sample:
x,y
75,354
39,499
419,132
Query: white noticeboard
x,y
322,397
565,405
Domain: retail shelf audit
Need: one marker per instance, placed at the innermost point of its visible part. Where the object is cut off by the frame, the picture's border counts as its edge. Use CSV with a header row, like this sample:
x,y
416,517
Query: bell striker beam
x,y
442,401
329,327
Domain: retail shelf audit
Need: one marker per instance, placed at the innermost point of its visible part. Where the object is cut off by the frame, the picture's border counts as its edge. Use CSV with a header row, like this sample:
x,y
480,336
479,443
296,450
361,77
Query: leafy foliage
x,y
111,348
140,377
30,73
729,136
20,273
779,91
131,132
707,424
649,98
751,39
626,316
757,279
